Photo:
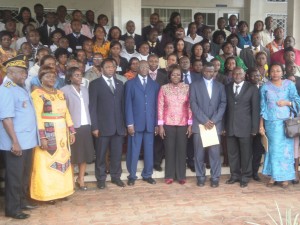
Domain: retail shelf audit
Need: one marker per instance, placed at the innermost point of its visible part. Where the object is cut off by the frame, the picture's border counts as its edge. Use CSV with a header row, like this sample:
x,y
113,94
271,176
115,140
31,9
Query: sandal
x,y
284,184
271,183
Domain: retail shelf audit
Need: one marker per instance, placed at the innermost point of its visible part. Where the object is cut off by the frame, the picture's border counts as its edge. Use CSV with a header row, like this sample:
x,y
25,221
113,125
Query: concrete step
x,y
90,169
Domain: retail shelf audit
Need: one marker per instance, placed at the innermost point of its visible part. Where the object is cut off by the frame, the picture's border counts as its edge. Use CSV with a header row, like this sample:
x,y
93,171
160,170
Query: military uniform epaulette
x,y
9,84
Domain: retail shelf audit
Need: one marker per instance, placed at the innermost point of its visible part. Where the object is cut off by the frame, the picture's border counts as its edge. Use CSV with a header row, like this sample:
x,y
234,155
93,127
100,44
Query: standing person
x,y
232,27
24,18
208,104
130,28
154,18
95,71
277,96
267,35
174,120
18,135
77,98
76,38
141,121
52,176
90,20
278,42
133,66
242,105
108,122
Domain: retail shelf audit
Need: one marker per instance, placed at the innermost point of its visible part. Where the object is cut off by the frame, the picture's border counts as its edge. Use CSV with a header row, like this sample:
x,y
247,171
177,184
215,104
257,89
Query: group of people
x,y
71,92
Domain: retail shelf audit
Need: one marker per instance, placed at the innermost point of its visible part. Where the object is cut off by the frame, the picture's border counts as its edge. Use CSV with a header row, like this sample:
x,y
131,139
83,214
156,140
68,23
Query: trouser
x,y
175,148
190,152
158,151
258,151
17,177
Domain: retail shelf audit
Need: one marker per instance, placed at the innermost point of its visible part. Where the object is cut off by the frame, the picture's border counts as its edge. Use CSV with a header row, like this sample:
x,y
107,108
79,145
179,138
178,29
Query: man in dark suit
x,y
248,54
154,18
232,24
242,121
75,38
48,28
188,78
130,28
141,121
107,117
162,79
208,104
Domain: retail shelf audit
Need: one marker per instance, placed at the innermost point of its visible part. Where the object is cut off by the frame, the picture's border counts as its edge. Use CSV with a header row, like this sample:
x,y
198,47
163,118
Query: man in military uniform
x,y
18,135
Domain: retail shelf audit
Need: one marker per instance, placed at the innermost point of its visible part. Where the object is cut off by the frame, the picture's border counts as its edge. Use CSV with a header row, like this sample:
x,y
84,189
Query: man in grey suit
x,y
242,120
108,122
248,54
208,104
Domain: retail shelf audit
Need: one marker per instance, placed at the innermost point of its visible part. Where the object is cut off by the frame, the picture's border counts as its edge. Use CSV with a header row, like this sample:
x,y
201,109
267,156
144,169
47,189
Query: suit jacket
x,y
138,39
161,78
248,56
145,32
74,103
107,108
76,43
242,112
141,104
45,38
205,108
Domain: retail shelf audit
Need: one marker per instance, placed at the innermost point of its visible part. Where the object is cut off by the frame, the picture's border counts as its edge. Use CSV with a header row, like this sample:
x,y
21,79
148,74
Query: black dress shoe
x,y
191,167
243,184
256,177
118,182
231,181
214,184
200,183
19,216
130,182
101,184
157,168
29,207
149,180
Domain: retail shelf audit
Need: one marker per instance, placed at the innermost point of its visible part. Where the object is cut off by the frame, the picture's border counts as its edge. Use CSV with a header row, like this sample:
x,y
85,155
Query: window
x,y
14,11
276,0
279,20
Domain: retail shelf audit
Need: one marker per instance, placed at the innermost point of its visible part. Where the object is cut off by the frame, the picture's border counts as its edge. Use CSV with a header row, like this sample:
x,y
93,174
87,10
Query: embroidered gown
x,y
279,160
52,176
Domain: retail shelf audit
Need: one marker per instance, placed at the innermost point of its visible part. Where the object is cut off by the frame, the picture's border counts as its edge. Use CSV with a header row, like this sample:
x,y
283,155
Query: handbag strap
x,y
293,111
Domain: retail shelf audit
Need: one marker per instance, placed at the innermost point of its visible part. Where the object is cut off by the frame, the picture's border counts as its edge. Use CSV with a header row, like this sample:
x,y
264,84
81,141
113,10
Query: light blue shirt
x,y
16,103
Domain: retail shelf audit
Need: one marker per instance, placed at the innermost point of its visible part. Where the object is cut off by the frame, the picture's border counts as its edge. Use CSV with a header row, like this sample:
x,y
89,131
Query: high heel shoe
x,y
82,188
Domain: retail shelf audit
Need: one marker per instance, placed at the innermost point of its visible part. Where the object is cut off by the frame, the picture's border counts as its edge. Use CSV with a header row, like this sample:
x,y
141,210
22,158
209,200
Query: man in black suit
x,y
232,24
154,18
130,28
248,54
107,117
188,78
154,43
48,27
242,121
75,38
208,104
162,79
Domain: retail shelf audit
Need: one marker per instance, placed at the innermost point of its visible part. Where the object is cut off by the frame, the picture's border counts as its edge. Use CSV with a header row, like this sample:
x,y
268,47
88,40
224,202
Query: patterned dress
x,y
279,160
52,176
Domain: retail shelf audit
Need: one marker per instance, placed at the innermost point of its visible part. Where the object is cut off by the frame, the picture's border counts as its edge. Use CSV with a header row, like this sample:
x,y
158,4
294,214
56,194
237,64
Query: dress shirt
x,y
188,77
130,35
108,83
255,51
189,39
266,37
208,84
142,79
2,26
85,30
153,74
48,29
240,87
174,105
143,57
128,55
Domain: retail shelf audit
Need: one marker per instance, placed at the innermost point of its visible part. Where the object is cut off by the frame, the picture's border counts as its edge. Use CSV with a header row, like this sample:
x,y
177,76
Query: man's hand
x,y
16,149
96,133
130,130
162,132
72,139
44,144
209,125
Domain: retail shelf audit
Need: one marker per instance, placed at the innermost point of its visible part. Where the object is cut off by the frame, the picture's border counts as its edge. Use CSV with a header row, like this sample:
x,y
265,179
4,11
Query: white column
x,y
293,19
127,10
254,11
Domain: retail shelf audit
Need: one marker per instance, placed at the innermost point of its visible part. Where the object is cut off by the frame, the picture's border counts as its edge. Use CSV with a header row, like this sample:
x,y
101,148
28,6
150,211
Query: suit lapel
x,y
204,88
149,84
214,90
105,85
139,83
243,90
73,91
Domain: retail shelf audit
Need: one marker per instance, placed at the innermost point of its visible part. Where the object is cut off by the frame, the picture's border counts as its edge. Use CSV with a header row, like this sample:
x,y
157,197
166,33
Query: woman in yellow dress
x,y
100,44
52,176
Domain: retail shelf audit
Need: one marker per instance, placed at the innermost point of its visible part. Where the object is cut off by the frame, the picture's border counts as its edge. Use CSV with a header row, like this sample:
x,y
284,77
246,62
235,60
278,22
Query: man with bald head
x,y
241,124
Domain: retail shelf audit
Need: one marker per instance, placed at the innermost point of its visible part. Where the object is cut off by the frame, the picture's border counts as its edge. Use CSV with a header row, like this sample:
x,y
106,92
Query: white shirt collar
x,y
258,47
240,85
131,34
112,79
142,78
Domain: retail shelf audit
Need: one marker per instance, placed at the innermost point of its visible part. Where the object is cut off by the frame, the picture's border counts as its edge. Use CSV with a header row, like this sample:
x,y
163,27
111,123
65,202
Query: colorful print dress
x,y
52,176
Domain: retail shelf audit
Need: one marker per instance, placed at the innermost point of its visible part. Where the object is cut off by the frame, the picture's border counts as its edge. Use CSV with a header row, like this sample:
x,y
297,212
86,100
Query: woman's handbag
x,y
292,125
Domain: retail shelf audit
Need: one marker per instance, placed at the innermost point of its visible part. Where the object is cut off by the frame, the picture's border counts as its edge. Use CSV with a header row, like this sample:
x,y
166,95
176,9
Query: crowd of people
x,y
75,92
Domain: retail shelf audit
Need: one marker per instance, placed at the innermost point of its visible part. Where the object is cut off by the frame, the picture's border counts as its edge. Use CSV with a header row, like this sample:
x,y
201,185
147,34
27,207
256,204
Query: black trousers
x,y
17,177
240,157
158,151
190,152
115,145
175,148
258,151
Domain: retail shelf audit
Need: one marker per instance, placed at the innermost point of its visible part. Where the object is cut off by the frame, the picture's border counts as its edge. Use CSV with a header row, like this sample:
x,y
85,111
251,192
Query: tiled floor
x,y
167,204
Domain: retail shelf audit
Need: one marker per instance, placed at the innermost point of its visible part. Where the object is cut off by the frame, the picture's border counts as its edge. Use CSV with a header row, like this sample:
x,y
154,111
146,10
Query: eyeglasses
x,y
98,58
77,75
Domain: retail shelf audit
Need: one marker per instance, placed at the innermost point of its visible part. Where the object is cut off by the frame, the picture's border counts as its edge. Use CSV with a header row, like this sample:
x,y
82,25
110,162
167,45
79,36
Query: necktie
x,y
144,83
232,30
111,86
186,80
236,90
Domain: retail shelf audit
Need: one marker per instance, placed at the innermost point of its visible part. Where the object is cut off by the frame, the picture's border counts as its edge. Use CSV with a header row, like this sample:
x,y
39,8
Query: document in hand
x,y
264,141
208,137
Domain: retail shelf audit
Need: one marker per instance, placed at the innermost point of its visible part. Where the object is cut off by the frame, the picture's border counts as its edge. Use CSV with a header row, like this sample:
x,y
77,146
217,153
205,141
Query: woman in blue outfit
x,y
243,35
277,96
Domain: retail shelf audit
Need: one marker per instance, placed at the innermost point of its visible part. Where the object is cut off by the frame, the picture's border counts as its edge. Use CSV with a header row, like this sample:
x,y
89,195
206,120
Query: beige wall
x,y
194,3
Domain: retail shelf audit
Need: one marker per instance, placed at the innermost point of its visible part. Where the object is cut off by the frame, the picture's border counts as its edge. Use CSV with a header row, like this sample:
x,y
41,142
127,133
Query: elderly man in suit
x,y
242,121
208,104
248,54
107,116
141,120
162,79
